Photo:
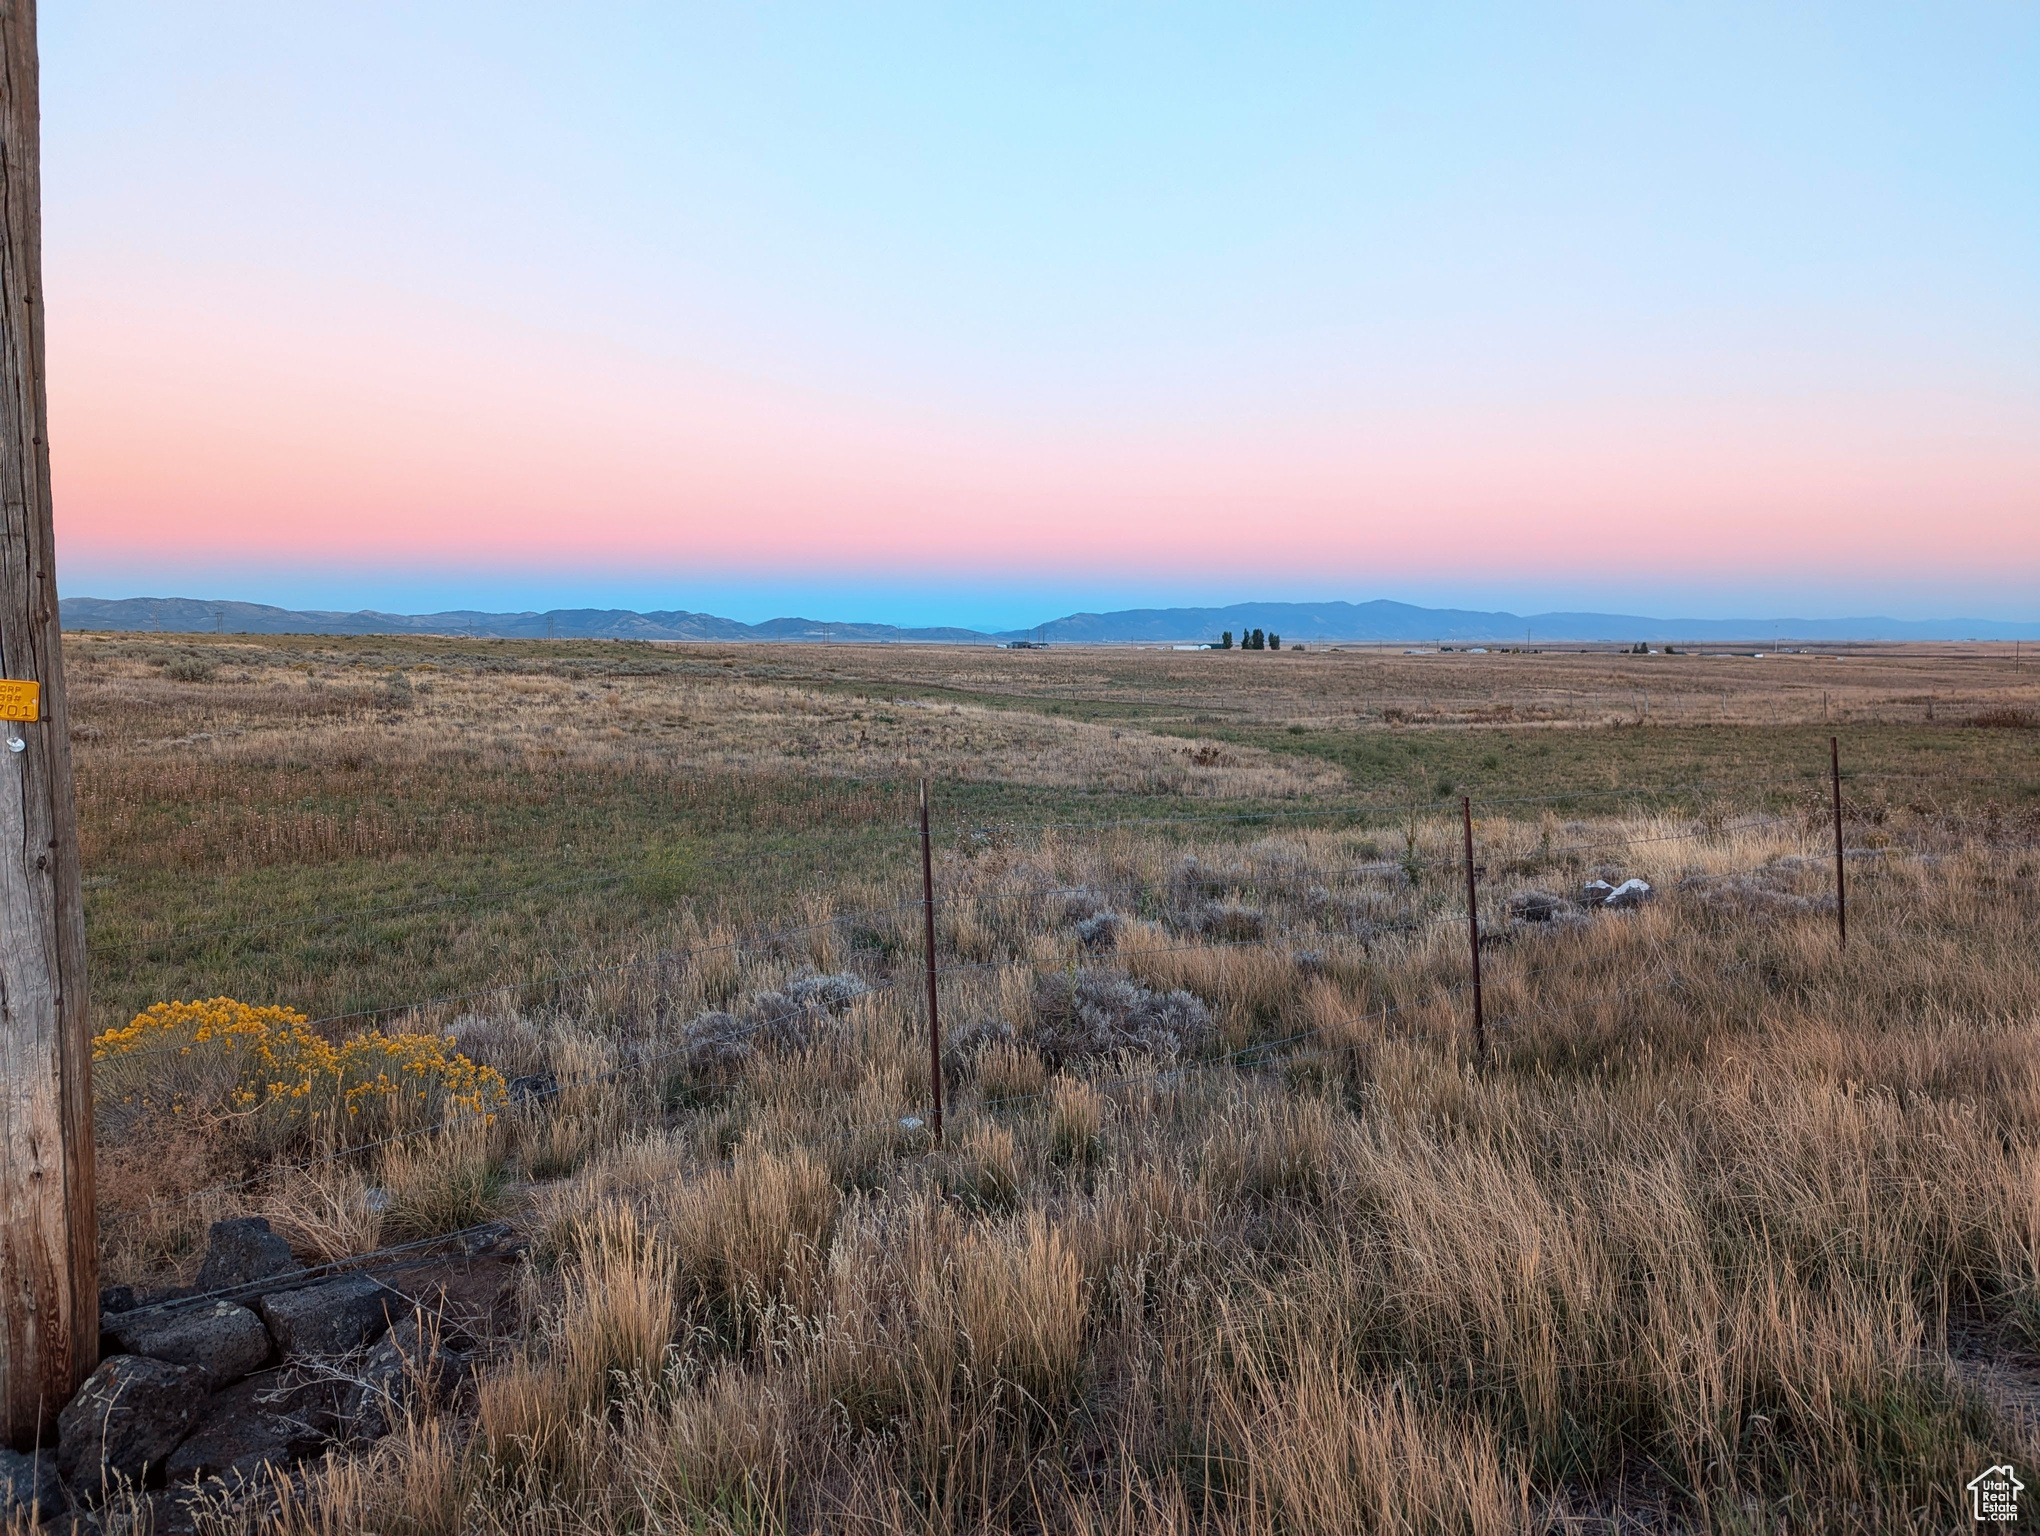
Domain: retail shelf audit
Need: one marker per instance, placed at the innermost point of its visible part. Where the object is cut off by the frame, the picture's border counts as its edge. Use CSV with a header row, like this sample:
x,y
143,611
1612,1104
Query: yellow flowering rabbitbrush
x,y
266,1072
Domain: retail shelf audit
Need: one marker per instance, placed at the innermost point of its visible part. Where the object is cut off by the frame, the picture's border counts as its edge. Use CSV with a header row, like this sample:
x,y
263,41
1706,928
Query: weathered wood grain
x,y
49,1304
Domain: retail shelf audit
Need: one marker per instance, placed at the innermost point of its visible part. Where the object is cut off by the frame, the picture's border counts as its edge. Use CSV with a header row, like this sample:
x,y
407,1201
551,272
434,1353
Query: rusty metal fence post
x,y
934,1018
1473,931
1841,884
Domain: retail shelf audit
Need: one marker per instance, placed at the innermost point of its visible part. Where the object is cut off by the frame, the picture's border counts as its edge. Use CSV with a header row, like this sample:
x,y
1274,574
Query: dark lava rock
x,y
243,1250
411,1365
127,1418
241,1432
327,1319
1537,906
117,1298
1630,893
223,1340
30,1482
173,1512
533,1085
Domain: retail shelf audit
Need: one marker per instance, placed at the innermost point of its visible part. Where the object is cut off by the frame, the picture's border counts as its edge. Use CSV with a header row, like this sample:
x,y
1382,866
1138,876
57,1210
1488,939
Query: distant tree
x,y
1256,641
1225,641
1274,641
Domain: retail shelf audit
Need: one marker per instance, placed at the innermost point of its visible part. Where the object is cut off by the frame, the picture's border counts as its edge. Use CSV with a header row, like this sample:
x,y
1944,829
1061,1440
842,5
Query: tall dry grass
x,y
1718,1238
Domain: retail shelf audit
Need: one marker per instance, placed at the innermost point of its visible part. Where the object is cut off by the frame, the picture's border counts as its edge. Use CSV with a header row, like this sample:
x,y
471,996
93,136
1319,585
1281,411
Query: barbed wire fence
x,y
1489,917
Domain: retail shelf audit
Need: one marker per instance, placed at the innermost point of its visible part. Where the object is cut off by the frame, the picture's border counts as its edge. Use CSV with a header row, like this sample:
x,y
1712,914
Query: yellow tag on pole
x,y
20,700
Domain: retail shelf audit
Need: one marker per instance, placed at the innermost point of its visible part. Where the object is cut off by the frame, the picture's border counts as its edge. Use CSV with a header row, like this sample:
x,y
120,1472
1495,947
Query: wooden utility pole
x,y
49,1239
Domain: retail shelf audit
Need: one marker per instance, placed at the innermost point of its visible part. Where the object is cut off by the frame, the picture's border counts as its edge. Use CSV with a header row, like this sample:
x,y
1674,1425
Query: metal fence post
x,y
1841,885
934,1018
1473,931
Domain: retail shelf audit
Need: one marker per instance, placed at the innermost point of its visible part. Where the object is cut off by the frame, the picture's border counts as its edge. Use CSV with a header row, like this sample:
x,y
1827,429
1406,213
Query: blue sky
x,y
939,313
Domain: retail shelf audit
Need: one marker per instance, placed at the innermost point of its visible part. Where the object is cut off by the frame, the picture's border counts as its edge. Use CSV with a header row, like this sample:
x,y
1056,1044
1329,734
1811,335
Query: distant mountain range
x,y
187,615
1386,621
1380,622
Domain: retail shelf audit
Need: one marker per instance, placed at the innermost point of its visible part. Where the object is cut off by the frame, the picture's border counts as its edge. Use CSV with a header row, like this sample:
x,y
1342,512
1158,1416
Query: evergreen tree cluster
x,y
1252,640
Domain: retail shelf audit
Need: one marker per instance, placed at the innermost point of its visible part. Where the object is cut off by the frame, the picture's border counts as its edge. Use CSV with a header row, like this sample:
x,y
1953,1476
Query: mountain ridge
x,y
1380,621
1383,620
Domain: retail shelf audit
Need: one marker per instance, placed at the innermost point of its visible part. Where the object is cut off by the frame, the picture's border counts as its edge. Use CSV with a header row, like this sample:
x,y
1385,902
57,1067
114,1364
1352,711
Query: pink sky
x,y
389,433
954,316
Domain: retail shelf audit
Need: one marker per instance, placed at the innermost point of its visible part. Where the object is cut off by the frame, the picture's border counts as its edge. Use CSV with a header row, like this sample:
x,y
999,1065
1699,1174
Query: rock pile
x,y
1548,907
197,1385
1630,893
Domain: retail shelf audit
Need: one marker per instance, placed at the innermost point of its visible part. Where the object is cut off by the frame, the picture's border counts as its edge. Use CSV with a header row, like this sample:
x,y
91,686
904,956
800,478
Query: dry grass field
x,y
1232,1226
